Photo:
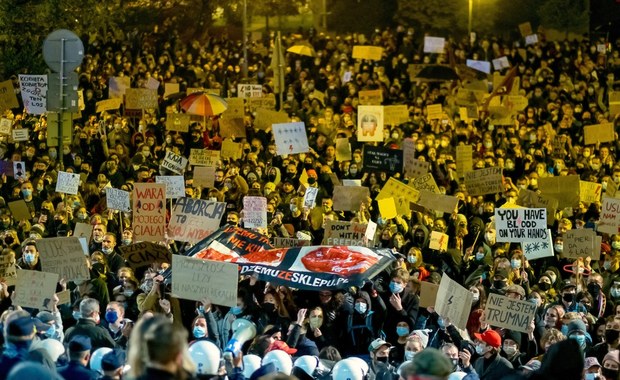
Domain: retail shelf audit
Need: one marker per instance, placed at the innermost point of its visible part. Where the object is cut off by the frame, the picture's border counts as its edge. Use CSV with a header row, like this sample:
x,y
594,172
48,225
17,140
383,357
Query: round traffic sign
x,y
63,45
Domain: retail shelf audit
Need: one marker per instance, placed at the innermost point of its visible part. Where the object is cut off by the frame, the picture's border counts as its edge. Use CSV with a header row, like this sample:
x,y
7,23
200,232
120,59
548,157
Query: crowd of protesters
x,y
125,323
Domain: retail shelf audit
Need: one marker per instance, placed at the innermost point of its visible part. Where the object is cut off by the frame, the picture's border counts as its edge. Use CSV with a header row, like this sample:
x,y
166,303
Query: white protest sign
x,y
174,162
5,126
68,183
438,241
255,212
538,249
194,279
516,225
310,196
117,199
21,134
501,63
290,138
194,219
484,66
434,44
371,229
609,221
509,313
249,91
351,182
175,185
531,39
34,93
453,301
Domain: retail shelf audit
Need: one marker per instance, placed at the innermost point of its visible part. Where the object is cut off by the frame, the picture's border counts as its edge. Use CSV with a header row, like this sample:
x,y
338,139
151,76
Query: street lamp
x,y
469,20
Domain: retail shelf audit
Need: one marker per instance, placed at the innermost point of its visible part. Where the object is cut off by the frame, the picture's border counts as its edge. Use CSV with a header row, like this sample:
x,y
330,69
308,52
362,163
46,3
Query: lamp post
x,y
245,39
469,19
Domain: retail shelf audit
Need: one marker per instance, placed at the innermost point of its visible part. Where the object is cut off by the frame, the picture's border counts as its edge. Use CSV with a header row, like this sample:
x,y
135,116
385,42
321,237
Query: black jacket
x,y
99,336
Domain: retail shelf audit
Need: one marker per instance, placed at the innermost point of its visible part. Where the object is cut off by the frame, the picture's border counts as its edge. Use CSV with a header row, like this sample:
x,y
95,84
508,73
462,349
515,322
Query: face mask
x,y
315,322
51,332
107,251
111,316
615,292
591,376
128,293
510,350
29,258
594,289
515,263
396,287
409,355
615,245
382,359
509,166
199,332
596,167
440,323
293,208
269,307
402,331
607,265
412,259
480,350
558,247
610,373
568,297
581,339
488,144
611,336
361,307
77,315
126,241
535,301
490,238
479,256
236,310
499,284
27,192
475,297
544,286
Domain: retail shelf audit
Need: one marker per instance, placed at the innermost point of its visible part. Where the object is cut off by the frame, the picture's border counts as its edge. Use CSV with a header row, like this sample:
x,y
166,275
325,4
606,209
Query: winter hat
x,y
421,335
576,325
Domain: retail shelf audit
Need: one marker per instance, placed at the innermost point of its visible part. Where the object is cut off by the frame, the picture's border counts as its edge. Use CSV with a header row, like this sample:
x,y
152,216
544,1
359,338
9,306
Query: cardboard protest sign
x,y
117,199
484,181
67,183
539,248
140,98
21,134
351,182
525,29
246,91
614,103
5,126
345,233
108,104
175,185
83,230
509,313
382,159
434,111
483,66
403,195
19,210
580,243
370,97
194,219
343,149
64,256
8,270
516,225
64,297
204,176
514,103
590,192
395,114
233,127
434,44
174,162
464,160
236,108
118,86
171,88
373,53
290,138
417,168
178,122
203,157
149,211
438,202
531,39
310,197
408,146
609,221
280,242
231,149
387,208
438,241
34,93
152,84
564,188
8,99
34,289
350,198
532,199
254,212
144,254
599,133
428,294
611,189
453,301
267,102
194,279
370,123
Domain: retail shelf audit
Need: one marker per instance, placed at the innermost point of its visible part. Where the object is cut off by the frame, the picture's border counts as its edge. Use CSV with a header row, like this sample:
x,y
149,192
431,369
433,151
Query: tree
x,y
564,15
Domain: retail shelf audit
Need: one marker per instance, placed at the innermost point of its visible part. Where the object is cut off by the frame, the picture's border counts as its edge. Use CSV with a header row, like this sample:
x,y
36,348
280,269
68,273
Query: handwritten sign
x,y
538,249
599,133
509,313
5,126
140,98
178,122
609,221
346,233
438,241
246,91
8,270
373,53
267,102
174,162
501,63
68,183
484,181
117,199
395,114
254,212
280,242
425,182
417,168
34,289
21,134
108,105
144,254
231,149
434,44
453,301
590,192
580,243
204,176
516,225
434,111
175,185
194,279
64,256
403,195
383,159
290,138
149,211
34,93
194,219
83,230
528,198
464,160
350,198
370,97
204,157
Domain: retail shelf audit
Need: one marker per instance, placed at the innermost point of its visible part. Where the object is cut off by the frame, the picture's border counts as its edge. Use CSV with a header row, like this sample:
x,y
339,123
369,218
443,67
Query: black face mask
x,y
610,373
544,286
269,307
499,284
594,289
611,336
381,359
568,297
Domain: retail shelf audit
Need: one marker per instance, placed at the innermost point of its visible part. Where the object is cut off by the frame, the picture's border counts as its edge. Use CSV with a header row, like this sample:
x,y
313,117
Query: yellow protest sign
x,y
395,115
178,122
425,182
140,98
434,111
231,149
265,118
171,88
387,208
8,99
464,159
599,133
565,189
590,192
525,29
108,105
373,53
614,103
403,195
371,97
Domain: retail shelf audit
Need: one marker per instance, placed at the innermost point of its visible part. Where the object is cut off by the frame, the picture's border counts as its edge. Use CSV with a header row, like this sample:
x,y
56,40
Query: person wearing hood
x,y
397,353
18,335
563,361
364,323
577,331
612,340
611,365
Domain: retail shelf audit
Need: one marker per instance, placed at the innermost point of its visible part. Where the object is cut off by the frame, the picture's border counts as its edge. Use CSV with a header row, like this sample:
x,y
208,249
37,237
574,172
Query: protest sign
x,y
343,149
371,229
434,44
203,157
34,93
290,138
246,91
350,198
590,192
118,86
351,182
266,118
611,189
370,97
525,29
8,99
236,108
18,170
149,211
417,168
532,199
370,123
345,233
267,102
83,230
599,133
464,160
19,210
382,159
438,202
514,103
194,279
538,249
310,197
428,294
171,88
21,134
516,225
580,243
8,270
174,162
64,297
509,313
140,98
438,241
64,256
372,53
254,212
144,254
614,103
609,221
152,84
403,195
231,149
484,181
453,301
204,176
483,66
67,183
387,208
395,114
563,188
232,127
194,219
501,63
108,105
34,289
178,122
434,111
408,146
117,199
531,39
175,185
280,242
5,126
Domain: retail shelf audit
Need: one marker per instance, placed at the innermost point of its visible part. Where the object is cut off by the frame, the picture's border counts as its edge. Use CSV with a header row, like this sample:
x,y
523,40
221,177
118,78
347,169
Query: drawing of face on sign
x,y
369,125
